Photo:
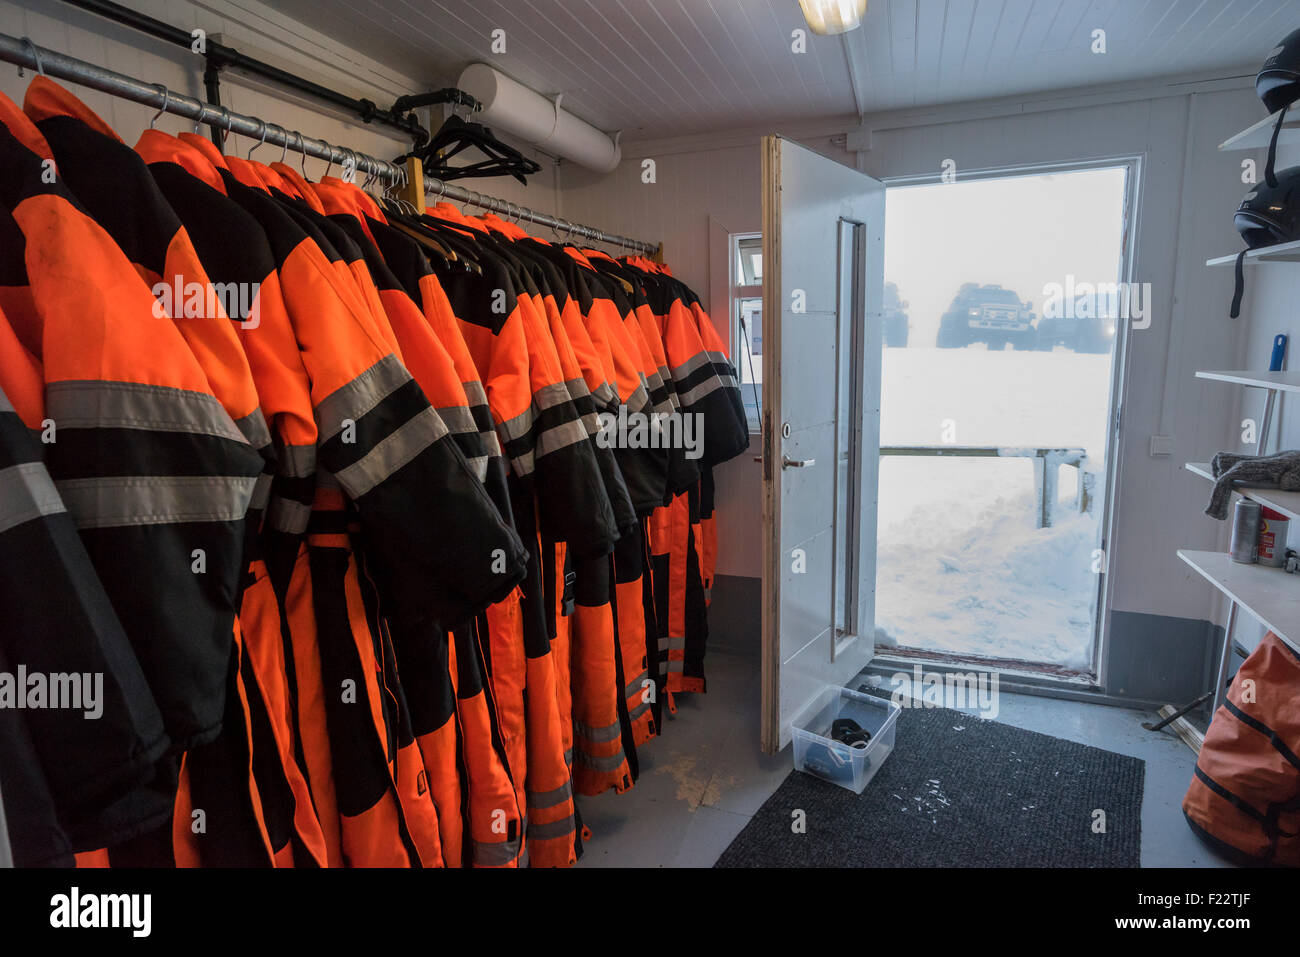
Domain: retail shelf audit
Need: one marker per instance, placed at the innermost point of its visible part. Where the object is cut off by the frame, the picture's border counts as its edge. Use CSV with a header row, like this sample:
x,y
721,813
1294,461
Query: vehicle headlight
x,y
973,312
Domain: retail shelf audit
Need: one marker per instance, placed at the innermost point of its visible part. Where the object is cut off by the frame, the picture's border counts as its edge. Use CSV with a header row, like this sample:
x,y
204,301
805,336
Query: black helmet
x,y
1266,216
1278,81
1278,86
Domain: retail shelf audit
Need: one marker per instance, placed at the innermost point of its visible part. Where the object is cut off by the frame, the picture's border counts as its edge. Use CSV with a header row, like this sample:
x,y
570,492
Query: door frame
x,y
1134,167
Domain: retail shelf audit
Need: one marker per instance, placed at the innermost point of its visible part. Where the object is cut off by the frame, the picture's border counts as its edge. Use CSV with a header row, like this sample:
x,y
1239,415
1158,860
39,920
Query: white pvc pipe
x,y
511,107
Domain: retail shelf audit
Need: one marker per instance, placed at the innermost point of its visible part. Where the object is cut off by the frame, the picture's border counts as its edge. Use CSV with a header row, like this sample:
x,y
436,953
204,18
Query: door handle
x,y
789,463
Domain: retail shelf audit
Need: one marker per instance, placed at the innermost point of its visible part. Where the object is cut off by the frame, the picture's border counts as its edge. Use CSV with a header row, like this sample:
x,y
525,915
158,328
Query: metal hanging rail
x,y
24,53
461,195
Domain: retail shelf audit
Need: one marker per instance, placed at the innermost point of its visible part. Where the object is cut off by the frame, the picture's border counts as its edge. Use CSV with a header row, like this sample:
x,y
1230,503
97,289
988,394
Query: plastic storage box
x,y
817,753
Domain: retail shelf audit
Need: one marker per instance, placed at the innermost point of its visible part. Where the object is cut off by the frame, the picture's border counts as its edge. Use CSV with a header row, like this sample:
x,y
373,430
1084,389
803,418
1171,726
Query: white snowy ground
x,y
961,567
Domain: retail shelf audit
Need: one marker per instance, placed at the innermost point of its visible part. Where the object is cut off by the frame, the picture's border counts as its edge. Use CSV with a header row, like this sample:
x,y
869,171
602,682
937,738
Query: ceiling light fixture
x,y
829,17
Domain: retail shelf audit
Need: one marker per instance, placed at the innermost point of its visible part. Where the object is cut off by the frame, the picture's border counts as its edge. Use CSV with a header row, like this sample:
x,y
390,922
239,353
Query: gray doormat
x,y
958,791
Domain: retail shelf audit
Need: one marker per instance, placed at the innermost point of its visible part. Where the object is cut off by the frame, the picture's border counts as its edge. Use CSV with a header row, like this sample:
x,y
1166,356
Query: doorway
x,y
1006,311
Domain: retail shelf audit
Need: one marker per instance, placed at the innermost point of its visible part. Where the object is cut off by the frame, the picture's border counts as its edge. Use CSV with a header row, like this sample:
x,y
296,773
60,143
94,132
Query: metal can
x,y
1272,538
1245,532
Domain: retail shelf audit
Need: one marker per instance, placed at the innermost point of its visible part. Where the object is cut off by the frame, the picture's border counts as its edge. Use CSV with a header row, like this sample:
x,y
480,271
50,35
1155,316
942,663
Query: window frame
x,y
738,292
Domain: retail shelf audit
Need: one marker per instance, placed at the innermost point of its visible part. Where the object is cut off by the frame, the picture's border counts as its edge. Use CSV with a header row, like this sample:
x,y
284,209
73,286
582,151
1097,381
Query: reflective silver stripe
x,y
5,404
577,388
690,365
519,425
605,394
261,491
666,643
635,686
475,392
253,427
639,710
393,452
610,763
116,501
523,464
289,516
552,830
590,423
523,858
92,404
495,854
560,436
638,401
540,800
493,443
568,757
674,665
688,399
296,461
478,465
608,733
356,398
720,357
551,395
26,492
458,419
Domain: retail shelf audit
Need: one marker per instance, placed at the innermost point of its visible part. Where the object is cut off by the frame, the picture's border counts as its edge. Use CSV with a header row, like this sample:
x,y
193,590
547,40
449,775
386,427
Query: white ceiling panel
x,y
654,68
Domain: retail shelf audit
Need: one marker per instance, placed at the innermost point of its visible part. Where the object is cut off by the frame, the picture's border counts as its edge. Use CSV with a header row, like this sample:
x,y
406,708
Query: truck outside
x,y
988,314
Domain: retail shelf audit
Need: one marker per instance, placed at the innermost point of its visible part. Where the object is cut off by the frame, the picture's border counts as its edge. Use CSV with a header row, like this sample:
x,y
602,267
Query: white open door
x,y
823,255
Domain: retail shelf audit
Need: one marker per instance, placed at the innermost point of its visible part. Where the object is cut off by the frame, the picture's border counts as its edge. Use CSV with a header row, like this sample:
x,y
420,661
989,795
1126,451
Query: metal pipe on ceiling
x,y
219,56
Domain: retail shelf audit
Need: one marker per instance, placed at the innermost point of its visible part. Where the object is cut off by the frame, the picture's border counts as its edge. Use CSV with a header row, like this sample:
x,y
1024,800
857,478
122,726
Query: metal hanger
x,y
262,126
302,148
167,99
36,56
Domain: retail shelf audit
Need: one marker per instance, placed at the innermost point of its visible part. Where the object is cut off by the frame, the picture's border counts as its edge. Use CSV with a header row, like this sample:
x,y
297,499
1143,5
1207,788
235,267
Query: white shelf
x,y
1269,594
1257,136
1285,381
1279,253
1288,503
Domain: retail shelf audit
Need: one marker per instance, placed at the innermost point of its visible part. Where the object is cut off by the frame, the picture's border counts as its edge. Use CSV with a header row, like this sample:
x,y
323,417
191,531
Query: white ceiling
x,y
661,67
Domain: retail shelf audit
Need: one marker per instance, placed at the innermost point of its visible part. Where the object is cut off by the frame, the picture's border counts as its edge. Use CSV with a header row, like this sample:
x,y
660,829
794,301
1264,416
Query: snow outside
x,y
962,568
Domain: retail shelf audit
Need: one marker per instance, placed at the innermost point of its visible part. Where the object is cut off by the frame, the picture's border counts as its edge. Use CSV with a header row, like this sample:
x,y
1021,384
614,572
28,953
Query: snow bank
x,y
961,567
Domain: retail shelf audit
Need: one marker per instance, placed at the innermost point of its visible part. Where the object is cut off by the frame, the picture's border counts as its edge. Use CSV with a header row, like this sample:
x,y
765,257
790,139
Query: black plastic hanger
x,y
455,136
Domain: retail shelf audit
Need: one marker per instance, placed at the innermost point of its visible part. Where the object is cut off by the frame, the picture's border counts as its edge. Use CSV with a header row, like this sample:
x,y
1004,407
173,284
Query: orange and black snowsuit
x,y
60,770
124,198
233,249
149,464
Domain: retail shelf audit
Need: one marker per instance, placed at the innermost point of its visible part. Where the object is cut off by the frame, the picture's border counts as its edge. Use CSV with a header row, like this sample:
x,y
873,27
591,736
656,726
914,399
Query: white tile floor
x,y
704,778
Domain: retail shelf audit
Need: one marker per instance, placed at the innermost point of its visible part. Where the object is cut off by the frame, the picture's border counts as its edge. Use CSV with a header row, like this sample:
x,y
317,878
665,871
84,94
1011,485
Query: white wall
x,y
1188,193
257,30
